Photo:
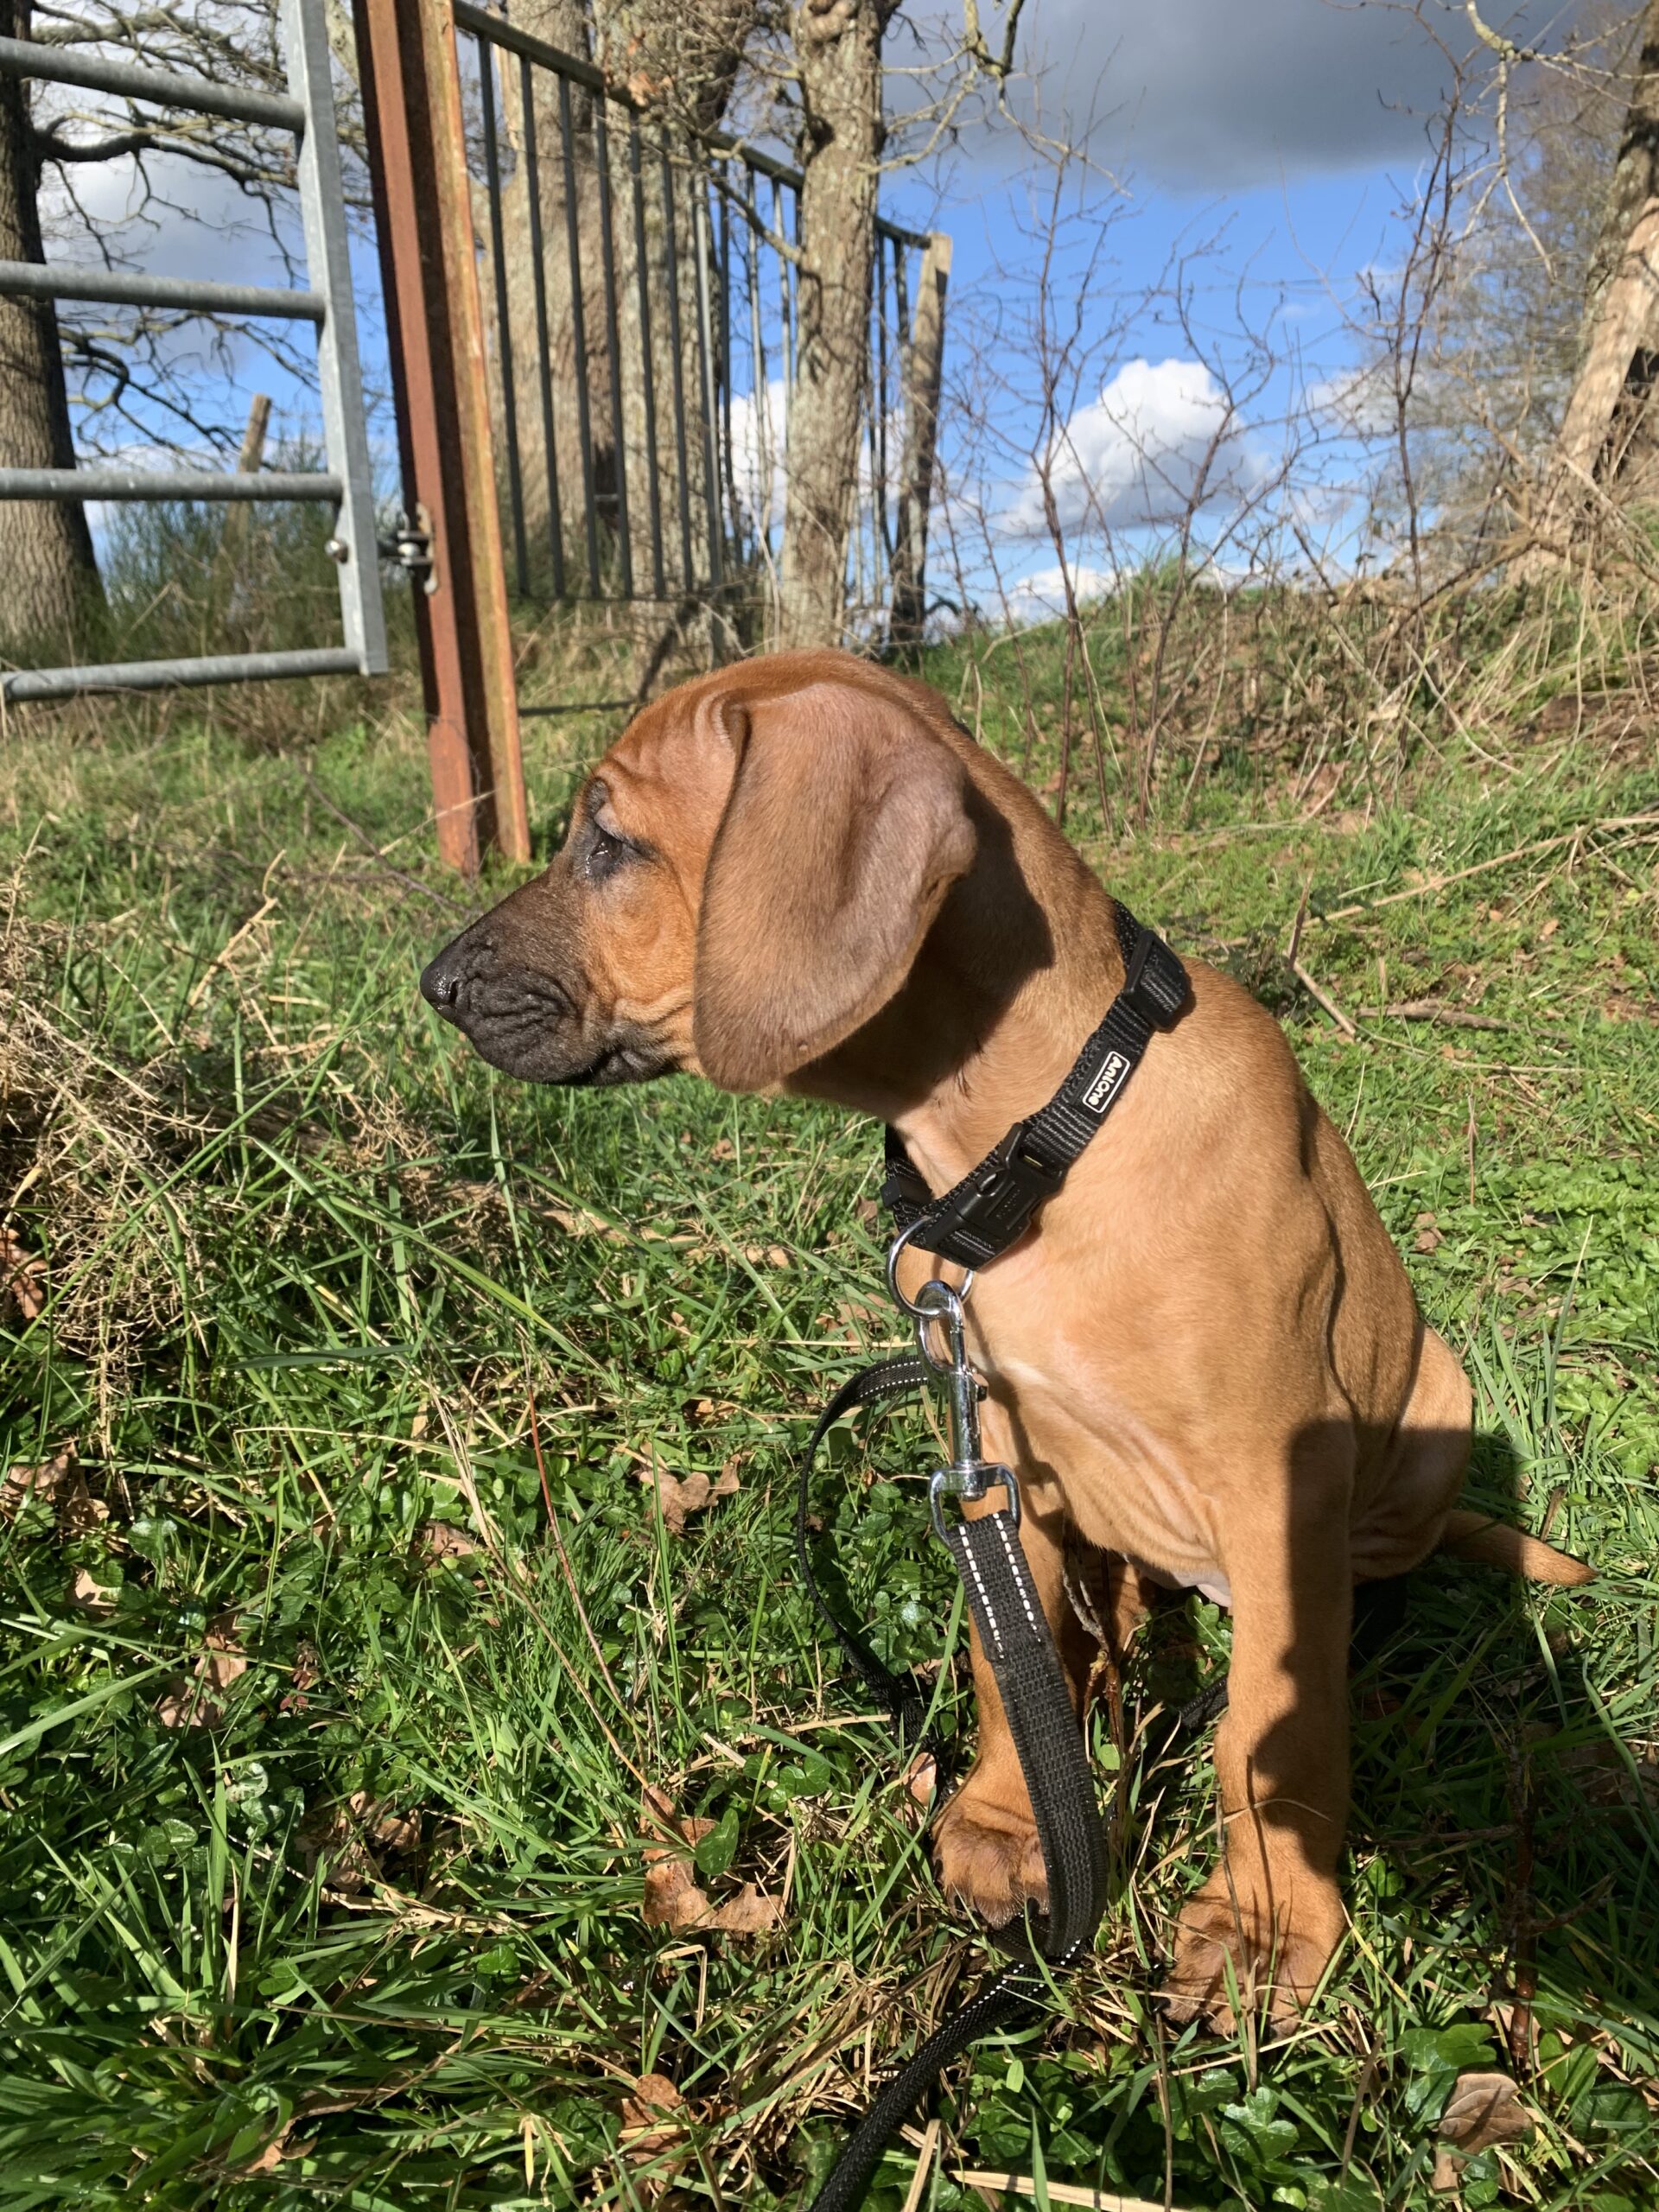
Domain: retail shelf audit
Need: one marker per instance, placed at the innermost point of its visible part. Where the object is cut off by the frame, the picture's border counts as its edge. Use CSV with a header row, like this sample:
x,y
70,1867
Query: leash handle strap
x,y
992,1204
1001,2001
898,1694
1054,1758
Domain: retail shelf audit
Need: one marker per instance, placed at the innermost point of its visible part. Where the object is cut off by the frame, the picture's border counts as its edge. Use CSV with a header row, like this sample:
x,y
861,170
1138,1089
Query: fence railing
x,y
345,479
641,310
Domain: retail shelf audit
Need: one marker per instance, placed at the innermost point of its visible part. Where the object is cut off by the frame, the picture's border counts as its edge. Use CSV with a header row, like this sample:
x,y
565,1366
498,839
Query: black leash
x,y
971,1223
1008,1615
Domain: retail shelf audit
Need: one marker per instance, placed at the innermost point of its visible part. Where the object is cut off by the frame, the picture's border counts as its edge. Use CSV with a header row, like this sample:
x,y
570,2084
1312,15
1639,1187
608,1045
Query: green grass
x,y
374,1937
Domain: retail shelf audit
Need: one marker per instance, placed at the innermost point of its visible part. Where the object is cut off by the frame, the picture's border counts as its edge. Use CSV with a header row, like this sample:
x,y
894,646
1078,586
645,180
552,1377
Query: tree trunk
x,y
1609,439
46,549
838,51
924,371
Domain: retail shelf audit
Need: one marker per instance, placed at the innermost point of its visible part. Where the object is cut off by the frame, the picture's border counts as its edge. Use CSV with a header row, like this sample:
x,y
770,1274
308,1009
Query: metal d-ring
x,y
917,1313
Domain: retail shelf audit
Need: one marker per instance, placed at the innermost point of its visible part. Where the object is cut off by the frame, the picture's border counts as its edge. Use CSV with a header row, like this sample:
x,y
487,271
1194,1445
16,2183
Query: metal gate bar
x,y
57,65
113,482
423,208
30,280
42,683
346,480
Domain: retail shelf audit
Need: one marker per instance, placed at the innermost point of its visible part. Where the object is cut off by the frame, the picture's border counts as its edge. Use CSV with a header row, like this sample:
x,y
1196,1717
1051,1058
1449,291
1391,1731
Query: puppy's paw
x,y
989,1854
1278,1956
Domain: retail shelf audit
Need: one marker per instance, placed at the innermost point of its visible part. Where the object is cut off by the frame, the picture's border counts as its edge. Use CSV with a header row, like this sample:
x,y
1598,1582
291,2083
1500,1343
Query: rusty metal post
x,y
923,371
417,159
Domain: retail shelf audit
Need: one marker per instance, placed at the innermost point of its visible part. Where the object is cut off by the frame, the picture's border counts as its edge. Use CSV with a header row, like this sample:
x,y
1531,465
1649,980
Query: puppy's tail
x,y
1493,1543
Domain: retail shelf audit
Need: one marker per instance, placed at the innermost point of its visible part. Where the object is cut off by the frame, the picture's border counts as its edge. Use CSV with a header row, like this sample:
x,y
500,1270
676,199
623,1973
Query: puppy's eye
x,y
606,853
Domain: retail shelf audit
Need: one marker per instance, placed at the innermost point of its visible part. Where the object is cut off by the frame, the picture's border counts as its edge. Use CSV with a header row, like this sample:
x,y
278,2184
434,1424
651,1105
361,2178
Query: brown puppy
x,y
1205,1360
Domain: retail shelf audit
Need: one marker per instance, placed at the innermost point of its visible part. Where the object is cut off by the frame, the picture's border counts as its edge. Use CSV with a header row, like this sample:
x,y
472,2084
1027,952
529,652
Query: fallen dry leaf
x,y
340,1837
306,1673
79,1511
1603,1774
672,1898
653,2099
923,1778
578,1222
440,1540
771,1256
653,2123
1484,2109
749,1913
90,1596
679,1496
1447,2176
48,1482
23,1276
197,1700
1429,1237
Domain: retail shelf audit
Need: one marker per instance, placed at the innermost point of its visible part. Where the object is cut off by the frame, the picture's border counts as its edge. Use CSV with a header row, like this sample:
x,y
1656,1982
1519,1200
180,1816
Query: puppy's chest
x,y
1119,1465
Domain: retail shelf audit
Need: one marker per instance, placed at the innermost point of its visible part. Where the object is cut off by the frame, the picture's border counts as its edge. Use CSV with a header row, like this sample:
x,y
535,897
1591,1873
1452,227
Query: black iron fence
x,y
641,303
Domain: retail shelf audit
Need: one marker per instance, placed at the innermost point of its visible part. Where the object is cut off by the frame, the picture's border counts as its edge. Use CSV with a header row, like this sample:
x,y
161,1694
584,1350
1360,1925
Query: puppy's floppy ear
x,y
845,827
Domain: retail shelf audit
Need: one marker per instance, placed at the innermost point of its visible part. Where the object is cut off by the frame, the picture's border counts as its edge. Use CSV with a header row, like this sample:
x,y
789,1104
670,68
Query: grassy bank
x,y
360,1603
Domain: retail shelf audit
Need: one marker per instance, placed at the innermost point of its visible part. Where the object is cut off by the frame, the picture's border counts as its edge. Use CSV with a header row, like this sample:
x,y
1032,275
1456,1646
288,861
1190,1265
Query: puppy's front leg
x,y
986,1845
1272,1910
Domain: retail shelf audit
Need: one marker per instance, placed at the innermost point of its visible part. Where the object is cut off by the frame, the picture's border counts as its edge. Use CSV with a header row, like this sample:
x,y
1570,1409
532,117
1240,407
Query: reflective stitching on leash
x,y
995,1625
1019,1579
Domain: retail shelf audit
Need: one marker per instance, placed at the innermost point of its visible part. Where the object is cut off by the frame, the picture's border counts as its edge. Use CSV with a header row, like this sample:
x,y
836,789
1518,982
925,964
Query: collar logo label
x,y
1107,1085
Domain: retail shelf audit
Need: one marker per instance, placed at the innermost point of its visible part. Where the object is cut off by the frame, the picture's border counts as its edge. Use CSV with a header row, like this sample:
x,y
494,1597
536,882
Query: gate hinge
x,y
411,549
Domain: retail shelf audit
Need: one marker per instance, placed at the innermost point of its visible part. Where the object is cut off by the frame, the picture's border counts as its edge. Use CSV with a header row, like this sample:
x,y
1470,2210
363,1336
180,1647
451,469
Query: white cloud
x,y
759,430
1041,596
1356,403
757,453
1159,438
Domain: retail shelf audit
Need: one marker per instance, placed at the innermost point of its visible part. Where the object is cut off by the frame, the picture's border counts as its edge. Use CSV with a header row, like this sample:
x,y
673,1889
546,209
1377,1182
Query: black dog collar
x,y
994,1203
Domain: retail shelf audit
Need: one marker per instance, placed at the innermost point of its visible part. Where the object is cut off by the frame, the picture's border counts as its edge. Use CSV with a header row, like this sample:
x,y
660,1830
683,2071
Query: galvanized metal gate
x,y
345,480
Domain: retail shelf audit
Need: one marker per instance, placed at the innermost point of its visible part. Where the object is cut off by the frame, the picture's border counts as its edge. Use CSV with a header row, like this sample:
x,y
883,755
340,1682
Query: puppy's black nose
x,y
440,983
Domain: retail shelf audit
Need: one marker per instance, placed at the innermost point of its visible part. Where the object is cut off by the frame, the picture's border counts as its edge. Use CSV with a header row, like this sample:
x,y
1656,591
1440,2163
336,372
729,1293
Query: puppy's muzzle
x,y
527,1022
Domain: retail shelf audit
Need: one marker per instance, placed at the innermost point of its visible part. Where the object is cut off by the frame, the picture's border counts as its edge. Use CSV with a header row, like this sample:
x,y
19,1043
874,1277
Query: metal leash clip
x,y
969,1475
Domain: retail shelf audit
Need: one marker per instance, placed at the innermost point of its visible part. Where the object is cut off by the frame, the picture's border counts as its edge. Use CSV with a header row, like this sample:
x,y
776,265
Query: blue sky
x,y
1275,140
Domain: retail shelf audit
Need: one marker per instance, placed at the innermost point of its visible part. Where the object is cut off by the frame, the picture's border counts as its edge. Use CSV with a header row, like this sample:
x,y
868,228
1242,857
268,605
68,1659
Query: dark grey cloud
x,y
1220,95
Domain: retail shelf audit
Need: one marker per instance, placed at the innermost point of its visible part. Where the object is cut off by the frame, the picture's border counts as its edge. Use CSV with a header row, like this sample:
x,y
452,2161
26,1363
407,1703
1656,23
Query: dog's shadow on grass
x,y
1499,1818
1499,1823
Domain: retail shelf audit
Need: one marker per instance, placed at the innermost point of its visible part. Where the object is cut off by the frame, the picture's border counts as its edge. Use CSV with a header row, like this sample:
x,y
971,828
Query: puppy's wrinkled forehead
x,y
667,778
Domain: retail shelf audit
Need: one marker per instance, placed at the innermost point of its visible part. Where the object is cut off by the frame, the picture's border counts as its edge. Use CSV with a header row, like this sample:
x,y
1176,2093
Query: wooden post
x,y
422,207
234,534
923,372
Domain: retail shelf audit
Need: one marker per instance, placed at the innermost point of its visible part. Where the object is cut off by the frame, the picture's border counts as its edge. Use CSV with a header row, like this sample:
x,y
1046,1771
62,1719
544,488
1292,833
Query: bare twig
x,y
1318,993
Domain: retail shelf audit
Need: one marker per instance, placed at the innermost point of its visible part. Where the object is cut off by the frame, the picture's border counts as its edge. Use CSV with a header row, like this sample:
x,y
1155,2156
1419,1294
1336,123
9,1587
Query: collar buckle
x,y
999,1200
